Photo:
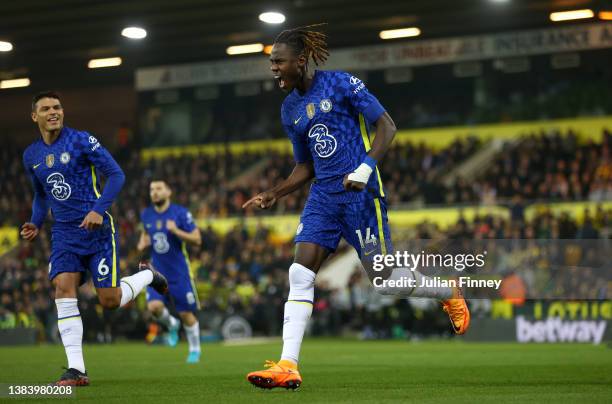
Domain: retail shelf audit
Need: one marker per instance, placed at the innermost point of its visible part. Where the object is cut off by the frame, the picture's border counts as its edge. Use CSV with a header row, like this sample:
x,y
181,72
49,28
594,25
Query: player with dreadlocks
x,y
326,115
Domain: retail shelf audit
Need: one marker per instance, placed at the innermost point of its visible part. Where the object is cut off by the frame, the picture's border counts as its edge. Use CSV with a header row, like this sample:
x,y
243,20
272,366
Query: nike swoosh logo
x,y
297,120
36,166
101,279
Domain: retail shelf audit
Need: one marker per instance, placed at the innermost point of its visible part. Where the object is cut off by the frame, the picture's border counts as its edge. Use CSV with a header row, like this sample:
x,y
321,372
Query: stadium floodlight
x,y
605,15
14,83
571,15
6,46
399,33
106,62
134,32
272,17
248,48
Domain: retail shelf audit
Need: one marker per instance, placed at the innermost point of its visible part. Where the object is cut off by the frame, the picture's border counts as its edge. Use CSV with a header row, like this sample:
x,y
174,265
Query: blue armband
x,y
370,162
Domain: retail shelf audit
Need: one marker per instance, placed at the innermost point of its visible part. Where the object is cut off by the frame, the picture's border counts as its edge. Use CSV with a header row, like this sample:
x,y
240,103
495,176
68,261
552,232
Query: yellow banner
x,y
576,210
9,238
282,228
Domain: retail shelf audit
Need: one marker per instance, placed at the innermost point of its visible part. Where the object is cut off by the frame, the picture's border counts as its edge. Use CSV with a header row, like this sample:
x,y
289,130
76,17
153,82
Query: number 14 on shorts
x,y
368,243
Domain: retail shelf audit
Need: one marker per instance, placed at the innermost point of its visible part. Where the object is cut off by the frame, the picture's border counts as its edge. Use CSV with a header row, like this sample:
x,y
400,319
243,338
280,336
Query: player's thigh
x,y
104,263
366,228
66,273
318,234
184,294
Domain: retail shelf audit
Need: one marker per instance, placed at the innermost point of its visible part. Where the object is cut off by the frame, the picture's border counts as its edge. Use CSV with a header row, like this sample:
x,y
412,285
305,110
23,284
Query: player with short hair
x,y
63,166
326,116
168,227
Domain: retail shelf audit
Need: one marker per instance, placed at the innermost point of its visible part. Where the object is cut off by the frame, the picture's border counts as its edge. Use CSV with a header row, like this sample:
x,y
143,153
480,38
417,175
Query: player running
x,y
326,116
63,166
171,226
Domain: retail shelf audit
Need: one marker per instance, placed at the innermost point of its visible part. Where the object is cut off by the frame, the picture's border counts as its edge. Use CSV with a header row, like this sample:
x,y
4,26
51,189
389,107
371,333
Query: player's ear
x,y
302,60
33,116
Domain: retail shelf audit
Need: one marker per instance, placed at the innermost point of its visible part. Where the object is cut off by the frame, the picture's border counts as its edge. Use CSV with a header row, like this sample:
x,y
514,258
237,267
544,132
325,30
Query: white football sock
x,y
131,286
166,319
441,293
70,327
298,310
193,336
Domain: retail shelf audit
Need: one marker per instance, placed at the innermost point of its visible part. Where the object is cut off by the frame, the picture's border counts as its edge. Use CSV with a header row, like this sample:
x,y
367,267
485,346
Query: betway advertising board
x,y
545,322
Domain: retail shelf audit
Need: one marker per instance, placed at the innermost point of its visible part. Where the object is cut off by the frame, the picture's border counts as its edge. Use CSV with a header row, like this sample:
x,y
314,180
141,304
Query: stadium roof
x,y
55,39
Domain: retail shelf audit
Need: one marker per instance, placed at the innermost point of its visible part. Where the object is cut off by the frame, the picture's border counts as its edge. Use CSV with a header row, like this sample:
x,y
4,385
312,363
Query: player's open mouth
x,y
281,81
54,119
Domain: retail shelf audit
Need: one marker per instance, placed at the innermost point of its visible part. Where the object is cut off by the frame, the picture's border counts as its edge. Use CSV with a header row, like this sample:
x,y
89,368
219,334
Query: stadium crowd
x,y
551,167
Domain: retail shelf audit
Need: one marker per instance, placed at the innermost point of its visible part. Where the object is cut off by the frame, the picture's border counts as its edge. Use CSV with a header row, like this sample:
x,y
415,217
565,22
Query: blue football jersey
x,y
65,174
168,252
329,125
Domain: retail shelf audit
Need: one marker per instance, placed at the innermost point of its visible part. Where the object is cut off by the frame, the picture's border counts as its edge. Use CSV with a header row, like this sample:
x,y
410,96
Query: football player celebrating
x,y
326,116
63,165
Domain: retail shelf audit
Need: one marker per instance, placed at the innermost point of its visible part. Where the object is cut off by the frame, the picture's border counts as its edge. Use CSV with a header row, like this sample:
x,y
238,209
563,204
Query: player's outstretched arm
x,y
302,174
385,132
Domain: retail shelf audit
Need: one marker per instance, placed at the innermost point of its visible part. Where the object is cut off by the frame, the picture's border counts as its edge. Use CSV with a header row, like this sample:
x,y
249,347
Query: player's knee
x,y
188,318
155,307
301,283
110,302
63,290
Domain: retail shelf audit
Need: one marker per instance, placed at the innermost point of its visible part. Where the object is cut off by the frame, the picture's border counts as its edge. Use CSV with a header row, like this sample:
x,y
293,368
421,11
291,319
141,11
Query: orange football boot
x,y
282,374
458,312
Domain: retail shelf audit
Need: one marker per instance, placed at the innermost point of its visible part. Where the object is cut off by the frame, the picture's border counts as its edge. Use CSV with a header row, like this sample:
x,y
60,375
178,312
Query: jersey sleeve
x,y
360,98
301,154
106,164
185,221
40,206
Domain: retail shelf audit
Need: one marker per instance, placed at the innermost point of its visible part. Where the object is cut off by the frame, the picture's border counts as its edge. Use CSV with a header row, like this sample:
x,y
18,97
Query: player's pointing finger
x,y
251,201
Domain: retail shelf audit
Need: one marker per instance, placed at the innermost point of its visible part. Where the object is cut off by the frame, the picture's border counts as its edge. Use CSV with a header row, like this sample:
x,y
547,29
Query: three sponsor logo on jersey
x,y
325,143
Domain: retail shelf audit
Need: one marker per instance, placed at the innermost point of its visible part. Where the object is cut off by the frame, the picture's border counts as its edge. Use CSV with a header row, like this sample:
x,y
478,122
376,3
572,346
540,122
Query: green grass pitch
x,y
334,371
